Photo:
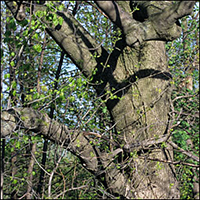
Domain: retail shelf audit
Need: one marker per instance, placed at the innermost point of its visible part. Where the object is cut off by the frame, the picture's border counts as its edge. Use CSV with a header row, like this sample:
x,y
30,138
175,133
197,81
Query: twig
x,y
77,188
168,161
54,170
183,151
144,144
39,164
186,96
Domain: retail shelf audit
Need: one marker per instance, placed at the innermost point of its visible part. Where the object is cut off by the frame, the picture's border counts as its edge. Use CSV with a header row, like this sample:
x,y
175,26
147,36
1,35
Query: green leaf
x,y
71,98
60,19
38,48
25,138
55,22
104,110
17,145
13,84
7,76
32,22
25,33
12,54
40,13
35,36
14,92
60,8
12,63
15,181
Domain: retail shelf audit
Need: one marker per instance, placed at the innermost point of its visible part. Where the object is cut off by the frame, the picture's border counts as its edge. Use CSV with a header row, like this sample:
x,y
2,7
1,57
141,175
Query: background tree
x,y
113,111
184,65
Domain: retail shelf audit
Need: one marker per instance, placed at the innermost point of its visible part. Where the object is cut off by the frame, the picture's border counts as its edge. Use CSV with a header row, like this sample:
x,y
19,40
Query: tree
x,y
128,72
184,65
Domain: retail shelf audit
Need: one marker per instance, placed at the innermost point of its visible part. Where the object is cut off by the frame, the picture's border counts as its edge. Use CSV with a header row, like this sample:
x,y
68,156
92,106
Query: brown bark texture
x,y
139,76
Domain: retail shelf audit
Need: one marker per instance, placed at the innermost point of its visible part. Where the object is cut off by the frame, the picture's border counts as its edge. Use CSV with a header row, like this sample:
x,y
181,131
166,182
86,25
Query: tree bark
x,y
139,76
142,113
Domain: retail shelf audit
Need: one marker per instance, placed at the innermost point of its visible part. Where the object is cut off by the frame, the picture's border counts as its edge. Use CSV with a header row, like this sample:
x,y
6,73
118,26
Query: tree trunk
x,y
142,113
139,76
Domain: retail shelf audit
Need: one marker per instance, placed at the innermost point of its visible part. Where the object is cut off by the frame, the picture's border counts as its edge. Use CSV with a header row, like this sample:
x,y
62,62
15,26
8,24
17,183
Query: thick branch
x,y
71,36
160,26
115,13
184,8
29,119
76,42
132,29
75,141
17,9
165,23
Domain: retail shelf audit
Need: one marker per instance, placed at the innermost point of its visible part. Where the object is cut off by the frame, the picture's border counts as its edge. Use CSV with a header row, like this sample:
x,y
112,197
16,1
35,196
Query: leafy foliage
x,y
32,76
33,80
183,63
